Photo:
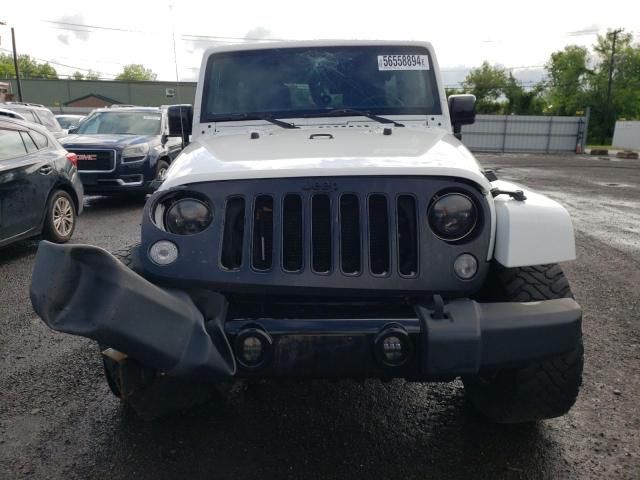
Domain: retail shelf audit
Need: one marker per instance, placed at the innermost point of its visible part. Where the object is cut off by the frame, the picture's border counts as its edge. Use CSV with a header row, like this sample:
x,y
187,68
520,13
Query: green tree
x,y
487,83
625,86
136,72
567,79
521,101
29,67
90,75
574,85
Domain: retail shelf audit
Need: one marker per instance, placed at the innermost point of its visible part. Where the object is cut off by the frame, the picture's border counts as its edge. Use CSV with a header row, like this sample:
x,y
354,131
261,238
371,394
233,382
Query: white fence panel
x,y
522,133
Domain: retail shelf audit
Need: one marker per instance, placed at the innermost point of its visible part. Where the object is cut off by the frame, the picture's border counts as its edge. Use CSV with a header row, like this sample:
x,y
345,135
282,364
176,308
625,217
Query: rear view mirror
x,y
180,121
462,109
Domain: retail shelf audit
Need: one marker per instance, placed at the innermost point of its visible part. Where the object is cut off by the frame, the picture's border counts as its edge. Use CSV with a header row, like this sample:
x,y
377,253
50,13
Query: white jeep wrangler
x,y
325,221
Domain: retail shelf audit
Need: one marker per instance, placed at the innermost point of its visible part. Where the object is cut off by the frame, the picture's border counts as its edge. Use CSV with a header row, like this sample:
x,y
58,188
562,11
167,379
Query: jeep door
x,y
26,178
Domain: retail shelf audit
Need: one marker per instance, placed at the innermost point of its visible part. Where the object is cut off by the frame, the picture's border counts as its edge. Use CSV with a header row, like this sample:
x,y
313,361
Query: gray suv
x,y
34,112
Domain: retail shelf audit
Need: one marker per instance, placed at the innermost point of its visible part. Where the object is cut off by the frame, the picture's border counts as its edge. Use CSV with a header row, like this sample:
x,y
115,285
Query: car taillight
x,y
73,158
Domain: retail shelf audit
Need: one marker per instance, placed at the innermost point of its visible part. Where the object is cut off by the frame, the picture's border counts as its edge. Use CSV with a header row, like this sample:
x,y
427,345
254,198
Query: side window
x,y
11,145
28,142
48,120
41,140
27,114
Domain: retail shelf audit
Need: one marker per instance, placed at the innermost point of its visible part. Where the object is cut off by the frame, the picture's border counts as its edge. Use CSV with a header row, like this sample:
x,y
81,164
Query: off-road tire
x,y
50,230
538,390
143,389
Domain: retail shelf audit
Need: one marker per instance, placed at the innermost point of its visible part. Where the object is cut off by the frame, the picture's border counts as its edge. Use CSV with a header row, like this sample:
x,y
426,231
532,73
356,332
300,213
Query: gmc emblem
x,y
87,156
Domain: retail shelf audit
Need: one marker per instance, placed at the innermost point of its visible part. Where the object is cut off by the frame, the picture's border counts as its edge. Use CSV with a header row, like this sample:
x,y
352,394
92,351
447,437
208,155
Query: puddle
x,y
619,185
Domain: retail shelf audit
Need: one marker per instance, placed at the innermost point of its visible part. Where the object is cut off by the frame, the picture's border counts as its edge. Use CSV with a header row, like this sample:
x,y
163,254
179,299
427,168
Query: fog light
x,y
393,346
253,347
251,350
163,252
465,266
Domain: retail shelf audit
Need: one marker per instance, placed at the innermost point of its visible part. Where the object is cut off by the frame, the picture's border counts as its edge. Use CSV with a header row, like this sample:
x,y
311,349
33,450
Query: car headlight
x,y
452,216
187,216
136,151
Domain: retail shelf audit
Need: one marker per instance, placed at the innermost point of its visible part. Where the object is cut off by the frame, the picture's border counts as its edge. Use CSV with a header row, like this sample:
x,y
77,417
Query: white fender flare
x,y
533,232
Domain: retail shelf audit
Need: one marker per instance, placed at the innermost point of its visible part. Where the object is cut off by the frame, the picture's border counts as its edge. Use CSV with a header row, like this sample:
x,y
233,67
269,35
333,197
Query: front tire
x,y
60,219
161,170
538,390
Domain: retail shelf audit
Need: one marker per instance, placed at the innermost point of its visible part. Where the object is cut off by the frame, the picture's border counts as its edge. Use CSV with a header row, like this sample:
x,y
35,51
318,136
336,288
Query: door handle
x,y
46,170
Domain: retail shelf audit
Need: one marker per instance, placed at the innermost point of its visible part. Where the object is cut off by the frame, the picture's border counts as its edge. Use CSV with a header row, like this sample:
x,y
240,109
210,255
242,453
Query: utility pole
x,y
15,62
614,34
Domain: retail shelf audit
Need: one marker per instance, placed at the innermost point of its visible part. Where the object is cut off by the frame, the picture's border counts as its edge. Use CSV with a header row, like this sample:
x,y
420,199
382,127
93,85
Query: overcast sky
x,y
105,35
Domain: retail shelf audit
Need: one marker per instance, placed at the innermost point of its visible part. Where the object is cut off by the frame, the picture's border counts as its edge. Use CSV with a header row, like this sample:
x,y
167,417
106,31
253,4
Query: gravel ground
x,y
58,420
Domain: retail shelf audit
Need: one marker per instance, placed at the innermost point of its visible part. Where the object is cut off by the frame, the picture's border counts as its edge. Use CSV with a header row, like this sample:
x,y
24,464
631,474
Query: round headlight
x,y
187,216
452,216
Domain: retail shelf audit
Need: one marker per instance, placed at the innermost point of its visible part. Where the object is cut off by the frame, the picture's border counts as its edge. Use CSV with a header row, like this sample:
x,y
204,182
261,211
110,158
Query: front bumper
x,y
132,177
85,291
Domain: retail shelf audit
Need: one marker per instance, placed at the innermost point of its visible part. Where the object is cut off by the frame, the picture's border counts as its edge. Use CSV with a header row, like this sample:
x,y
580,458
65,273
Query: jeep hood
x,y
316,152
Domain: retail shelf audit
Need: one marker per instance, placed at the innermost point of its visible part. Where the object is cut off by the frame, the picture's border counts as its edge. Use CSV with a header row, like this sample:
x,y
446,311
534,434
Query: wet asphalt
x,y
58,419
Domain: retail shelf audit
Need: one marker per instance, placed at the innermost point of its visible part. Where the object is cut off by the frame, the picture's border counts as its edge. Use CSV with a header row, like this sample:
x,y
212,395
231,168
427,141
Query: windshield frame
x,y
383,48
87,119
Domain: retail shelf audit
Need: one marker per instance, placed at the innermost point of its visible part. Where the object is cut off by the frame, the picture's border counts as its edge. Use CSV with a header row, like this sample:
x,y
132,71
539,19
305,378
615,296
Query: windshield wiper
x,y
257,116
343,112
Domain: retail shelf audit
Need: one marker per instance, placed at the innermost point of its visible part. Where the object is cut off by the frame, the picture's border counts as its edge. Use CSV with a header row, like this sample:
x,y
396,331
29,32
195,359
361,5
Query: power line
x,y
82,27
63,64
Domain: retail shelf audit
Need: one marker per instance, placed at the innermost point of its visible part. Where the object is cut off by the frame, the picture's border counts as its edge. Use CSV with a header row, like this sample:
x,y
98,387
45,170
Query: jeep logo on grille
x,y
87,156
320,187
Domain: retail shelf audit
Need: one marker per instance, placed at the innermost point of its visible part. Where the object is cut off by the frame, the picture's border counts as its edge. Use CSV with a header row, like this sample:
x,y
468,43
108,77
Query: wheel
x,y
538,390
148,392
60,220
161,169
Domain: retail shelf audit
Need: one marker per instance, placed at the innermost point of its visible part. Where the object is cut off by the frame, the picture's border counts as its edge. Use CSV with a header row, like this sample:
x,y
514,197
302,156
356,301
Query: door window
x,y
27,114
40,139
11,144
28,142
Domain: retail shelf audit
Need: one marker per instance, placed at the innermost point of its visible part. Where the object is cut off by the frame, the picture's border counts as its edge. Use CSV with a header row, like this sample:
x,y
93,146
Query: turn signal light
x,y
73,158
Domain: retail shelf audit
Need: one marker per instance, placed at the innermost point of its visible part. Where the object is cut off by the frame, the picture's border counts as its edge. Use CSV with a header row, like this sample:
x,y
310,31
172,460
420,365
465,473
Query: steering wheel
x,y
319,89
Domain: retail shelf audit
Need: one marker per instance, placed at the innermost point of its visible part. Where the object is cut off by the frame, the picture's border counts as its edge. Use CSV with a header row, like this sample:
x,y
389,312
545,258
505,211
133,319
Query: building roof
x,y
94,95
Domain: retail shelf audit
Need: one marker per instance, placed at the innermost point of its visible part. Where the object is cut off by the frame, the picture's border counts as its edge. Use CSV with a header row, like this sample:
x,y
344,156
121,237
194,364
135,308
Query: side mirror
x,y
462,109
72,130
180,121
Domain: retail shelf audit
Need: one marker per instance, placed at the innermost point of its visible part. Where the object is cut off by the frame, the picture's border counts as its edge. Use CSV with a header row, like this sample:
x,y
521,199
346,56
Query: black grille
x,y
321,233
263,233
407,236
347,232
292,233
350,234
95,160
378,234
233,236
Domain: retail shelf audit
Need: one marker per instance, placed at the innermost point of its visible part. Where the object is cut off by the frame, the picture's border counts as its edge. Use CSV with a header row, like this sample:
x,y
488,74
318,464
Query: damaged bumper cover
x,y
84,290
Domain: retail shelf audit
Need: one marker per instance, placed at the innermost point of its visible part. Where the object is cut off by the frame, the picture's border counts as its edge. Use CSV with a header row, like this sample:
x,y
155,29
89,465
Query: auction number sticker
x,y
403,62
